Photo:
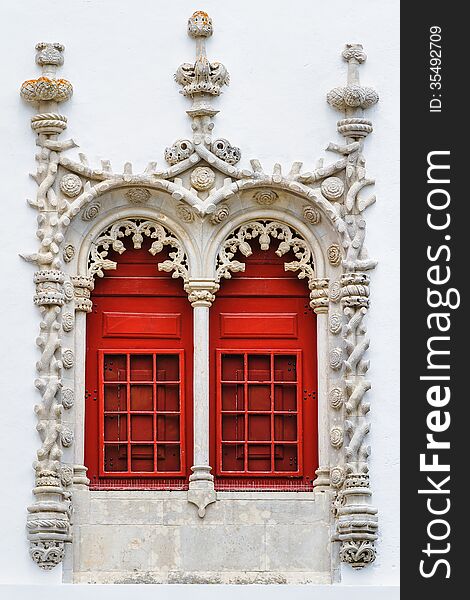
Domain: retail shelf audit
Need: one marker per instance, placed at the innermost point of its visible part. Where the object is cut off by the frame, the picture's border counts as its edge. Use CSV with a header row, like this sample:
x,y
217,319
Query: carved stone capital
x,y
82,287
319,295
355,290
201,292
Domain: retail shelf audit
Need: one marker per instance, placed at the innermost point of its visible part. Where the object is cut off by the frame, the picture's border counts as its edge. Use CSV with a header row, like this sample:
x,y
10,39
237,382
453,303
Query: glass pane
x,y
259,427
168,368
115,458
233,428
232,457
168,398
115,367
142,428
259,397
232,367
285,428
285,397
142,397
168,428
115,397
285,458
168,457
141,367
142,458
115,428
232,397
259,457
259,367
285,368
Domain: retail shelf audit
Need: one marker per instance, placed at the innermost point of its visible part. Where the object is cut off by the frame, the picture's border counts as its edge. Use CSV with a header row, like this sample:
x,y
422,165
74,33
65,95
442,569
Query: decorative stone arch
x,y
205,205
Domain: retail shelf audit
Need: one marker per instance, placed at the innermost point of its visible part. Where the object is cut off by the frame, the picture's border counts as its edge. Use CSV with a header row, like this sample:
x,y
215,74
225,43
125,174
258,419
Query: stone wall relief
x,y
201,187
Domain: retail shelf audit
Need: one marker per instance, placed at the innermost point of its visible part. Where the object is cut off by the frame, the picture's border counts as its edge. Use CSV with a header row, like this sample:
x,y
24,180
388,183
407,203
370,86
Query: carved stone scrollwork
x,y
265,232
136,229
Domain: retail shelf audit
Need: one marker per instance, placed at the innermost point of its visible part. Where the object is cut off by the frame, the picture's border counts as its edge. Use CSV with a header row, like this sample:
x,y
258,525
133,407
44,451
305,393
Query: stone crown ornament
x,y
200,191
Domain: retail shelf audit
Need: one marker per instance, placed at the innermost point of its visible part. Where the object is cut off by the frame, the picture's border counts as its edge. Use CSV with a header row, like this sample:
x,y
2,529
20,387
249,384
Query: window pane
x,y
259,397
168,398
142,397
168,428
232,457
285,428
232,397
233,428
142,428
141,367
259,457
115,367
115,397
115,428
285,397
232,367
168,457
259,367
115,457
142,458
259,427
168,367
285,457
285,367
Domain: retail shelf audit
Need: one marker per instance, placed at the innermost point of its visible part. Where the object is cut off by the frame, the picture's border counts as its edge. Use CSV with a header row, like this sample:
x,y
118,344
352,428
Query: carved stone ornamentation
x,y
336,398
91,211
226,152
333,188
71,185
202,179
202,185
181,150
220,214
266,197
335,323
67,398
185,213
138,195
336,358
337,477
336,437
67,322
136,229
265,232
68,253
334,255
311,215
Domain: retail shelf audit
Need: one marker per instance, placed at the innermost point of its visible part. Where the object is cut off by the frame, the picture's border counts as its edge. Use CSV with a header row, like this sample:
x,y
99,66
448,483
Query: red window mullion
x,y
128,409
245,407
271,369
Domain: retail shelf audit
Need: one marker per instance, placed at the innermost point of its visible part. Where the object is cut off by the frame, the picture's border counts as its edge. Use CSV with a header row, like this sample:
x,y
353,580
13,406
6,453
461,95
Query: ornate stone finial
x,y
47,91
353,98
203,79
200,25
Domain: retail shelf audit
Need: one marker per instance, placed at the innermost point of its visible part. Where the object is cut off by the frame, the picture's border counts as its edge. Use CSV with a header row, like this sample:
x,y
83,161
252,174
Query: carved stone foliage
x,y
202,179
265,232
136,229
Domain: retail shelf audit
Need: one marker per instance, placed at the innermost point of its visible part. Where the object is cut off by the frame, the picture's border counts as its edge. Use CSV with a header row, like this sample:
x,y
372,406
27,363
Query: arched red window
x,y
263,379
138,410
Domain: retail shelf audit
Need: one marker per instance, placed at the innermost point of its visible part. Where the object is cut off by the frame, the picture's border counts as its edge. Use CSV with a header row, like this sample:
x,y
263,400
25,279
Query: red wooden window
x,y
138,409
142,411
263,379
259,407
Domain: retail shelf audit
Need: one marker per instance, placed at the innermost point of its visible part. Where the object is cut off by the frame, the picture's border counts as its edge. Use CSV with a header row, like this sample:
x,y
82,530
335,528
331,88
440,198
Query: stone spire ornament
x,y
353,98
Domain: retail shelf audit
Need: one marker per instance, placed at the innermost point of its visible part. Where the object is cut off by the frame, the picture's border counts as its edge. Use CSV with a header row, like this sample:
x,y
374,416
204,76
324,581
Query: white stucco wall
x,y
120,56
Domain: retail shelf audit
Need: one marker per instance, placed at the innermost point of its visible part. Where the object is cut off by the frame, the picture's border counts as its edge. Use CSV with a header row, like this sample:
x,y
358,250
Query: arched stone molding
x,y
201,198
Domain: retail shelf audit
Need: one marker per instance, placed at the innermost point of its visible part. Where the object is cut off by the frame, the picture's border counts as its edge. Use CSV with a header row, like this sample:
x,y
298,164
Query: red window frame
x,y
129,473
274,443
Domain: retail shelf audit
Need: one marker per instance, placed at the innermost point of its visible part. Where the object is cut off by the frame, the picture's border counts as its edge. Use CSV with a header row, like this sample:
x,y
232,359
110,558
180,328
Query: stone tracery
x,y
202,180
